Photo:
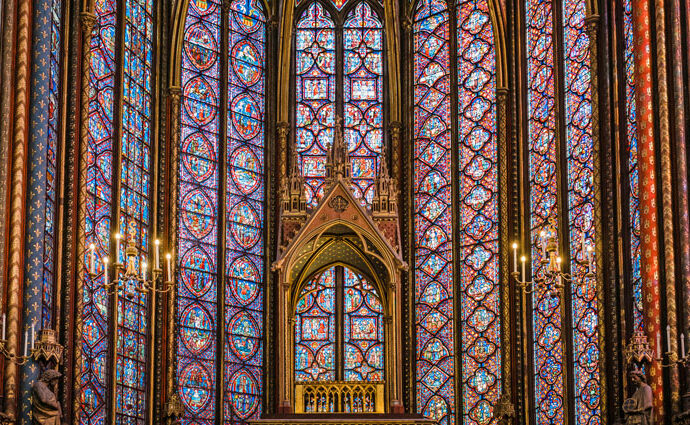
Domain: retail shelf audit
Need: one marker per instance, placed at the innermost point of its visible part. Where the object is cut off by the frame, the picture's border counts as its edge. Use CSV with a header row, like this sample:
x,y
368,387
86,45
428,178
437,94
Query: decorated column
x,y
649,244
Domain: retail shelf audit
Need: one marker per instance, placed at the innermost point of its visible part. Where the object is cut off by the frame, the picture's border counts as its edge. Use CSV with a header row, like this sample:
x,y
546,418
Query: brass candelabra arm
x,y
526,286
12,357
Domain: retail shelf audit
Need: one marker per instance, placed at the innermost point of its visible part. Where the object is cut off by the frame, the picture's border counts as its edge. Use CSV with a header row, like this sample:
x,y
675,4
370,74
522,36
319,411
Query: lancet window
x,y
562,199
220,300
339,69
456,302
339,329
118,201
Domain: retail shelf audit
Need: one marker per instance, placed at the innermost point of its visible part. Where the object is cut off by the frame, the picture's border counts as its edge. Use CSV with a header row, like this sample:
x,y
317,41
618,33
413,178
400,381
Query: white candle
x,y
26,342
143,271
157,254
515,246
658,345
668,338
4,327
105,269
118,246
524,260
33,335
92,259
682,345
168,258
542,241
590,256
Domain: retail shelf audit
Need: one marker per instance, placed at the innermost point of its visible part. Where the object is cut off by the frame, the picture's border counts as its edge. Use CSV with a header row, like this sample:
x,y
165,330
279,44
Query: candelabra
x,y
11,355
128,276
552,277
673,358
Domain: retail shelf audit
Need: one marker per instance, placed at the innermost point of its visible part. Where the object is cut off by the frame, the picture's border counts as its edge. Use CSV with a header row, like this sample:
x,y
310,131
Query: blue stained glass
x,y
633,172
580,148
315,330
243,352
201,314
361,321
362,330
98,202
315,90
134,207
363,96
548,350
434,313
478,212
51,163
197,300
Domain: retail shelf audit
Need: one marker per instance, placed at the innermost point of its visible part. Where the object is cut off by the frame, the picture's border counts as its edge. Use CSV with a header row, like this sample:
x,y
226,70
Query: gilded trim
x,y
592,28
17,199
87,21
666,198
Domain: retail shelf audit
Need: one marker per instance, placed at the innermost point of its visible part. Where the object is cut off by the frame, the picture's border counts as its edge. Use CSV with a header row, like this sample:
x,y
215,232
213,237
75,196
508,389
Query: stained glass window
x,y
320,98
434,295
478,212
132,202
315,330
477,273
51,163
544,153
547,326
99,189
316,88
631,130
580,161
339,298
207,312
363,96
134,222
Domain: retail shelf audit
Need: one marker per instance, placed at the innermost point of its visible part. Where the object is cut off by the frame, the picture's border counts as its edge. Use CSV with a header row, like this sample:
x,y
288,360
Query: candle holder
x,y
13,357
552,276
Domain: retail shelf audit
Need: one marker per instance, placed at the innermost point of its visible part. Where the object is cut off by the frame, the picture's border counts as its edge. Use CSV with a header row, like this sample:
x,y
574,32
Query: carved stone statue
x,y
638,408
46,409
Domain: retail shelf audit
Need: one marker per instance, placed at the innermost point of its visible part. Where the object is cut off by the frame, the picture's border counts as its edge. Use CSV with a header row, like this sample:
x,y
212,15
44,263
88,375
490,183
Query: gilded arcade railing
x,y
339,397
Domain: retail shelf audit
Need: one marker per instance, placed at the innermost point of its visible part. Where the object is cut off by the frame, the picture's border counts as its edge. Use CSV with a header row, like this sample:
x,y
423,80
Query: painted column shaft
x,y
649,244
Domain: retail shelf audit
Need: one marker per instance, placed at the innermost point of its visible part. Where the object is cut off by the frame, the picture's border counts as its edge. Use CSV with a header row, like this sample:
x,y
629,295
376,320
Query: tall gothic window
x,y
339,329
566,201
328,34
631,165
118,195
220,300
456,135
51,163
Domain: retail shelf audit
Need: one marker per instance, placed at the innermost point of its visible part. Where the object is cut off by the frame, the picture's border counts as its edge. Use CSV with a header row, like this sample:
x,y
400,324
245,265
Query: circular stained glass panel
x,y
246,116
245,225
243,391
198,213
196,329
198,157
244,278
196,384
243,330
245,169
200,101
196,271
246,62
200,46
